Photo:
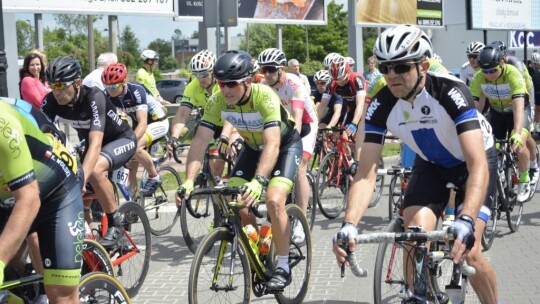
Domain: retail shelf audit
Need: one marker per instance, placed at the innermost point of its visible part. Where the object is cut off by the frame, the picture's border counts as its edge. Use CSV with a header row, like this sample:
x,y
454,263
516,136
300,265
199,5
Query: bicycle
x,y
311,210
432,268
227,265
396,189
334,177
94,287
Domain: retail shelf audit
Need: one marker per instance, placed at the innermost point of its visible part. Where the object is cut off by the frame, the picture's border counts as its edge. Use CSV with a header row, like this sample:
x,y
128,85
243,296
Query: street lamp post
x,y
307,44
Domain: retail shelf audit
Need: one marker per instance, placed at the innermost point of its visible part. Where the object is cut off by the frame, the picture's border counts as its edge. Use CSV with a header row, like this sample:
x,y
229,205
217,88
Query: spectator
x,y
372,69
294,67
32,86
145,75
94,78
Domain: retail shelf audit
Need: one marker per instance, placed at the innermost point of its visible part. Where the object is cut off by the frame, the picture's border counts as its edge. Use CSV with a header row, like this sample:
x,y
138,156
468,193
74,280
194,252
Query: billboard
x,y
424,13
264,11
91,7
518,40
503,15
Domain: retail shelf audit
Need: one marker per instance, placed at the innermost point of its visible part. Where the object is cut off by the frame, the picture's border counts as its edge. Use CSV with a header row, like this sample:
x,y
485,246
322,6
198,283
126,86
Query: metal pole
x,y
247,37
113,33
3,59
38,28
307,44
218,38
91,50
279,41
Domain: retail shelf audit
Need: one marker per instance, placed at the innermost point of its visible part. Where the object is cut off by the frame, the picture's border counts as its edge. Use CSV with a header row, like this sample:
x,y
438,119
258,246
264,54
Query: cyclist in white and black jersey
x,y
296,99
149,120
469,68
435,115
109,140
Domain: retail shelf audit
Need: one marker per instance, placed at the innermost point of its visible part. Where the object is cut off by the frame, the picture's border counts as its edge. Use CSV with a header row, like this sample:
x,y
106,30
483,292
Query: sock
x,y
156,177
449,211
283,262
114,219
533,164
524,177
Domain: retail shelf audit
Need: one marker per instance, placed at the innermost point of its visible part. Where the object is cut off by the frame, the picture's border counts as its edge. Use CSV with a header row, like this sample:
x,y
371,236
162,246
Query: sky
x,y
148,29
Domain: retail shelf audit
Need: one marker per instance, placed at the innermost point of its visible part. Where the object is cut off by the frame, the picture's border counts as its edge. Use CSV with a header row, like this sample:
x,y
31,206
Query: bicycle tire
x,y
395,196
389,266
514,209
535,186
202,218
300,257
490,231
311,211
132,271
331,197
379,185
161,208
95,258
98,287
216,247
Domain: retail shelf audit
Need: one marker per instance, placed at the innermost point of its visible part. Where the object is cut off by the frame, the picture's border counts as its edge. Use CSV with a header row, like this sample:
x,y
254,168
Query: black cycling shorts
x,y
118,152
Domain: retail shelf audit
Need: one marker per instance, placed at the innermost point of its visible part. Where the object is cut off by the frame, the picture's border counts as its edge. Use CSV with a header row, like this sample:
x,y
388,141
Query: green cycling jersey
x,y
499,93
261,111
148,81
196,96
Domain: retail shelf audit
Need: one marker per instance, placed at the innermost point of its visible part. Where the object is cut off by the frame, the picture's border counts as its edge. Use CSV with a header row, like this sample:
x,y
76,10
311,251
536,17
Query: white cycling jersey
x,y
467,73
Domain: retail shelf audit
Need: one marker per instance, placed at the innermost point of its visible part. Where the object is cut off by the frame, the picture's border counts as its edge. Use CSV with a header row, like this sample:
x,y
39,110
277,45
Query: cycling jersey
x,y
467,73
334,100
196,96
436,67
431,125
262,110
135,99
502,91
293,91
148,80
376,83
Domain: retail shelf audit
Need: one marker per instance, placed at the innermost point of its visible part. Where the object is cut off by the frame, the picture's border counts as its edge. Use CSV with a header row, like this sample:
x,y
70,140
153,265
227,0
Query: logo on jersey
x,y
372,107
425,110
457,97
406,115
13,137
95,114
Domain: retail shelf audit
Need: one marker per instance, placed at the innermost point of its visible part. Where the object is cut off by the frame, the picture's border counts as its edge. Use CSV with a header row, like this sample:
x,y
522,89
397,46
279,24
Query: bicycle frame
x,y
343,161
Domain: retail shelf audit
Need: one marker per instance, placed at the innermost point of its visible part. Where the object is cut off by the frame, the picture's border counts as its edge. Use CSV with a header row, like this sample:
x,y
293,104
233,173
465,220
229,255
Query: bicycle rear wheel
x,y
312,202
95,258
514,209
395,196
491,226
331,189
131,255
379,185
219,273
161,206
98,287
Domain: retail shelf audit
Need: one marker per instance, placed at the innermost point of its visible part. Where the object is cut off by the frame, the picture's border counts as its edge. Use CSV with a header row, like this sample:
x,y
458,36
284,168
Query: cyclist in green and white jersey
x,y
145,76
503,87
271,142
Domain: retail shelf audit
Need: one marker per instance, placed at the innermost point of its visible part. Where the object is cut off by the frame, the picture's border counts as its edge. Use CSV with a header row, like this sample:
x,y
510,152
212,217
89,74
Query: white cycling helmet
x,y
322,75
402,42
340,67
149,55
272,56
535,58
256,66
351,61
474,48
203,61
329,59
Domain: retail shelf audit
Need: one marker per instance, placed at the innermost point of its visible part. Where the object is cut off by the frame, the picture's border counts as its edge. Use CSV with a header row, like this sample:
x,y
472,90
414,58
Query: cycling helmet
x,y
256,66
322,75
202,61
272,56
402,42
500,45
339,68
63,69
437,58
535,58
114,73
490,56
329,59
233,65
474,48
351,61
149,55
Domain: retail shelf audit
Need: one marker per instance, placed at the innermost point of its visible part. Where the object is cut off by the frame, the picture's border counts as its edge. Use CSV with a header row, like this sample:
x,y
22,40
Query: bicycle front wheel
x,y
161,206
219,273
95,258
332,186
98,287
379,184
312,202
395,196
131,256
491,226
514,209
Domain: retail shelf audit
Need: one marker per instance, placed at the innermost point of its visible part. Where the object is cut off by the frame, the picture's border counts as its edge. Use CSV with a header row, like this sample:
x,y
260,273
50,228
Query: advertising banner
x,y
424,13
518,39
91,7
264,11
504,14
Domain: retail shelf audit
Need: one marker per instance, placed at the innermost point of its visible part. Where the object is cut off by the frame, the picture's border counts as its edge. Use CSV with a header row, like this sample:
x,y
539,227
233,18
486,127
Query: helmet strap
x,y
418,80
278,78
243,101
76,96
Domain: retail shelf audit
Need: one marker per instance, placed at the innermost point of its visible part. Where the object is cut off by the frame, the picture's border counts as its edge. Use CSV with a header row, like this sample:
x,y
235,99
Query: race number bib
x,y
120,176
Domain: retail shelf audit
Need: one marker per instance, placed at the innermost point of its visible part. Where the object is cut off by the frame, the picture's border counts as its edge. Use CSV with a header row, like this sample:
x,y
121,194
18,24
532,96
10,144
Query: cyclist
x,y
41,192
149,120
504,88
268,130
109,140
449,137
352,63
335,111
329,59
469,68
145,75
296,99
535,76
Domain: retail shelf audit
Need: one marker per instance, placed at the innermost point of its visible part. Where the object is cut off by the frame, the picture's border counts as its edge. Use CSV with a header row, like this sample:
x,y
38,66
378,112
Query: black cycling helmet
x,y
500,45
63,69
233,65
490,56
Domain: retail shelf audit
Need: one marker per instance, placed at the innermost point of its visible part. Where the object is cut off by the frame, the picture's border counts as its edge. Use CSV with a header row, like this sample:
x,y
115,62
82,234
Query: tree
x,y
370,35
73,24
261,37
24,37
163,48
128,51
195,35
168,63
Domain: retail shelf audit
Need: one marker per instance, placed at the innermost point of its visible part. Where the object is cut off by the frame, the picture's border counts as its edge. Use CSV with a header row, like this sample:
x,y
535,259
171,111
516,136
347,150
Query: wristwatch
x,y
467,218
262,180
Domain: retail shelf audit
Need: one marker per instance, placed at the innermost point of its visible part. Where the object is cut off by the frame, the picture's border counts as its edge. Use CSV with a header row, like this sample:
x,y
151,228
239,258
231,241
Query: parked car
x,y
172,90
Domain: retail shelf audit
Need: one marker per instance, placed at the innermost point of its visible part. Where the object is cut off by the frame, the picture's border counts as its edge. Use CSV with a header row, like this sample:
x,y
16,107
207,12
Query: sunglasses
x,y
230,84
113,86
399,68
472,56
490,71
269,69
321,82
59,86
201,75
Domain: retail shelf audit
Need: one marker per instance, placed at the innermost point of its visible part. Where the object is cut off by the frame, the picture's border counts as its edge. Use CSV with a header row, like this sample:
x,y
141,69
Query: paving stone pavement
x,y
514,256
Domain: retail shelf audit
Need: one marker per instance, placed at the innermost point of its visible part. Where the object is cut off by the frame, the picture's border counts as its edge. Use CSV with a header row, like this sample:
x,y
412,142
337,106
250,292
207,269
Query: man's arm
x,y
360,100
335,117
321,109
519,115
95,138
197,150
269,156
179,121
142,119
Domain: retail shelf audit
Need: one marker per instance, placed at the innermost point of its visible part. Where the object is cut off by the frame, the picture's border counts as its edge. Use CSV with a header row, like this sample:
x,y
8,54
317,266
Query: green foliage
x,y
369,35
311,67
261,37
183,73
128,49
24,37
168,63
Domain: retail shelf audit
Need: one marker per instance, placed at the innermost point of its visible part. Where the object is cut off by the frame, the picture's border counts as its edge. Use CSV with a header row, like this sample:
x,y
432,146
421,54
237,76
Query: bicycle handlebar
x,y
225,191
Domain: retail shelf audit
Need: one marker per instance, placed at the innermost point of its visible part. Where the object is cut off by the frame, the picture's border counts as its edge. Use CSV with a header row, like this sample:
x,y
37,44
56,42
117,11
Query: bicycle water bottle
x,y
266,238
253,236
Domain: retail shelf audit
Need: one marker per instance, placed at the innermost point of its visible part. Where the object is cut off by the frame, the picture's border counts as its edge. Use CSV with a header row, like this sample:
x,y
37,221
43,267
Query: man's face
x,y
321,86
115,90
401,76
473,60
234,90
64,92
294,68
270,73
493,74
204,78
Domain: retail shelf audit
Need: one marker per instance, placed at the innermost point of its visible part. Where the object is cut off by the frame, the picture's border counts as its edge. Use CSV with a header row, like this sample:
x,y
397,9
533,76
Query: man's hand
x,y
236,147
172,144
186,188
351,129
222,145
463,229
252,192
516,141
350,232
